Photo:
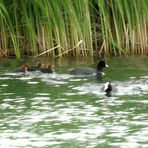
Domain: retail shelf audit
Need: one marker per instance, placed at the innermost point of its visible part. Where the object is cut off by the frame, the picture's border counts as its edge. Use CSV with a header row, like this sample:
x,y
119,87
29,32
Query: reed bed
x,y
73,28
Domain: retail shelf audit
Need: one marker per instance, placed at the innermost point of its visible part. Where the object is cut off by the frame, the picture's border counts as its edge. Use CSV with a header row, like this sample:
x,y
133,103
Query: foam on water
x,y
55,79
129,87
133,86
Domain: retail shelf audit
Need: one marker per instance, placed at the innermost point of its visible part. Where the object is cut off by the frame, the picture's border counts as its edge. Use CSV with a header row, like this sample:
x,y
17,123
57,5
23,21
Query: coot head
x,y
101,64
49,69
100,74
24,68
50,66
40,65
37,67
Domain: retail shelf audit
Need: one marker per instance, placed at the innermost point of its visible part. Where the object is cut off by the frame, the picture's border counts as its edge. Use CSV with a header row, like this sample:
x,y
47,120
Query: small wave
x,y
129,87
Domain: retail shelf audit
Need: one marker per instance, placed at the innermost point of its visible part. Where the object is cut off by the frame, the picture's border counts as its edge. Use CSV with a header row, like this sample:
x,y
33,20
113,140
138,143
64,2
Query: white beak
x,y
106,65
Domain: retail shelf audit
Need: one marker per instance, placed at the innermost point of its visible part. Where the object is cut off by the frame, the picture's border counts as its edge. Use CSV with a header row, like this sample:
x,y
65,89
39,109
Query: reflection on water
x,y
60,110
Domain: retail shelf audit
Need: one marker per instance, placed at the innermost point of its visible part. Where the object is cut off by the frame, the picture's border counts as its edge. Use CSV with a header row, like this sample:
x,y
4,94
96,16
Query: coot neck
x,y
99,68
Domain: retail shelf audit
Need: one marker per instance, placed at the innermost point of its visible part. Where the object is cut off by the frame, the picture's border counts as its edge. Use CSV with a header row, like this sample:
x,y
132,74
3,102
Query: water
x,y
63,111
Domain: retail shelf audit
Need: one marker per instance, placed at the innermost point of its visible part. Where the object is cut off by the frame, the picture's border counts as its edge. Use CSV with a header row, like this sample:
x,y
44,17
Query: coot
x,y
37,67
89,71
49,69
23,68
108,89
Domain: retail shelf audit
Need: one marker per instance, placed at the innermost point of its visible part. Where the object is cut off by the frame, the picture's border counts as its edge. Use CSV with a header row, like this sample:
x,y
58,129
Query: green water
x,y
63,111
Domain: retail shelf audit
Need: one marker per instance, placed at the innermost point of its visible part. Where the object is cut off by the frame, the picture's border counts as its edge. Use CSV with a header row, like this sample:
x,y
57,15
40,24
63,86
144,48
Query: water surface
x,y
61,110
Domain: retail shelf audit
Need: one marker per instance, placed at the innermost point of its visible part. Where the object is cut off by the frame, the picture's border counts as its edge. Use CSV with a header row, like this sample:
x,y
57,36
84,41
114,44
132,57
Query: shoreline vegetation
x,y
73,28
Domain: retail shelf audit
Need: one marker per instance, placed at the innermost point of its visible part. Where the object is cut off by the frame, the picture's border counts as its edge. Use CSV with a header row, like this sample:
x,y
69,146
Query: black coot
x,y
89,71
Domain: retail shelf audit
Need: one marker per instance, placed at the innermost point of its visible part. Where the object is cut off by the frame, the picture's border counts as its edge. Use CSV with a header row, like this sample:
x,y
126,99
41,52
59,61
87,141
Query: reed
x,y
7,32
55,28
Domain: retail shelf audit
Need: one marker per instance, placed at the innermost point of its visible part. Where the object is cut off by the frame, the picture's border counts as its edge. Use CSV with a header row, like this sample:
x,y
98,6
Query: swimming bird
x,y
49,69
89,71
23,68
108,89
37,67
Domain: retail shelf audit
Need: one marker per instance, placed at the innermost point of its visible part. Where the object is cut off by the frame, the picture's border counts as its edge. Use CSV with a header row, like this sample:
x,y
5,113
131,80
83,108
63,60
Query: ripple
x,y
130,87
24,78
6,78
12,74
43,120
77,80
53,79
4,85
42,94
33,82
7,94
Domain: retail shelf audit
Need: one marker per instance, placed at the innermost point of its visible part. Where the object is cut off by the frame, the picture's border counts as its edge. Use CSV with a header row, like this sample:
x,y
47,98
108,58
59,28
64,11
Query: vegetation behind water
x,y
73,27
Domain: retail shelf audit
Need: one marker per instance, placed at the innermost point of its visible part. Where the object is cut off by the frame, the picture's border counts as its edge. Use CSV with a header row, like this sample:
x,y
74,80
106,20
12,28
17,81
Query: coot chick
x,y
49,69
108,89
34,68
89,71
23,68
